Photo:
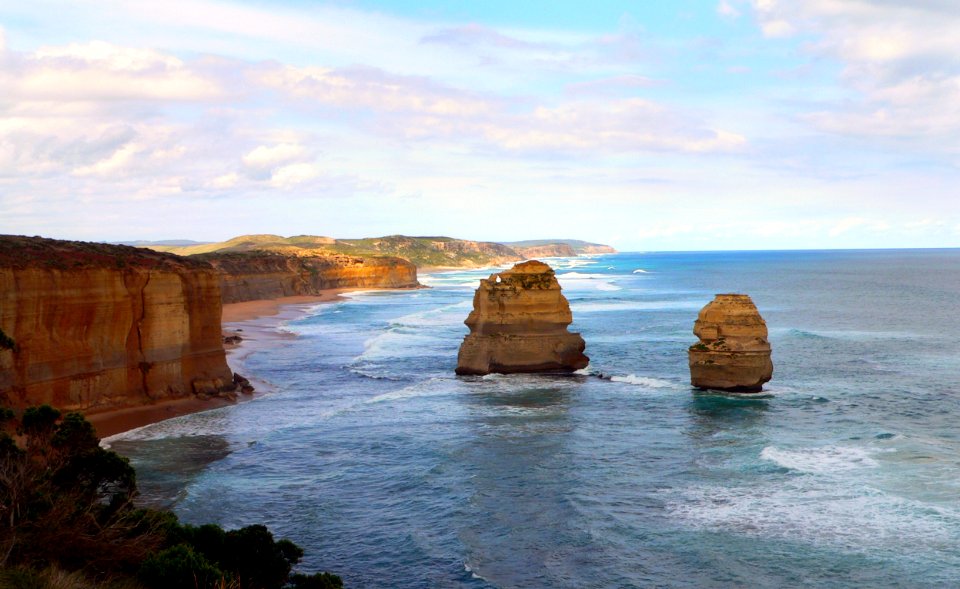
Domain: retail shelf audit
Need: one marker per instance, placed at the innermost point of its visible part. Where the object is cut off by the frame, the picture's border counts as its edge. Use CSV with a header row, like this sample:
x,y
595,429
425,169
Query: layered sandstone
x,y
519,324
256,275
92,326
733,353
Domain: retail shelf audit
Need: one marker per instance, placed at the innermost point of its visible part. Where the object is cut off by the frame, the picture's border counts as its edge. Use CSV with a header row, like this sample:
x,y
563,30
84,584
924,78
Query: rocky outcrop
x,y
95,326
519,324
256,275
733,353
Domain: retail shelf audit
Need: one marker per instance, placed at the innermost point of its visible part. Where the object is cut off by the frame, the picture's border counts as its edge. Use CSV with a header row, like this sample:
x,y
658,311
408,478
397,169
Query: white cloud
x,y
294,174
373,89
99,71
266,157
111,165
417,108
725,9
902,61
225,181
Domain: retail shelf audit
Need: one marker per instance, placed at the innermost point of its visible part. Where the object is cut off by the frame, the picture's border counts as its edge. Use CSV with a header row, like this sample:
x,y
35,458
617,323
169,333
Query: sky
x,y
683,125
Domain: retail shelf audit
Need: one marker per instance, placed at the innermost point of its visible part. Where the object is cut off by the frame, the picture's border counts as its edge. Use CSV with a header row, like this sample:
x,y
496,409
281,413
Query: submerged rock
x,y
733,353
519,324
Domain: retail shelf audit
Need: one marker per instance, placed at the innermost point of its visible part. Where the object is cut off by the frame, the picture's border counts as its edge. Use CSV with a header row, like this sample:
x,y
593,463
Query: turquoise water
x,y
393,472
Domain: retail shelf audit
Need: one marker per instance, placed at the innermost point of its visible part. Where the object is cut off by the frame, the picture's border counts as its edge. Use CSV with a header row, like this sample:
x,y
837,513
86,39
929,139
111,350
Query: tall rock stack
x,y
733,353
519,324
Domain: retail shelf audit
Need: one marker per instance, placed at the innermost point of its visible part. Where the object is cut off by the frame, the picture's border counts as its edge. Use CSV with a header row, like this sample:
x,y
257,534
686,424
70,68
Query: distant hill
x,y
423,251
578,247
172,242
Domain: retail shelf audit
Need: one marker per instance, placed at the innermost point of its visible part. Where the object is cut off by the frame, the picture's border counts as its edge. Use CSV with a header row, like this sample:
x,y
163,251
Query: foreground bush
x,y
67,519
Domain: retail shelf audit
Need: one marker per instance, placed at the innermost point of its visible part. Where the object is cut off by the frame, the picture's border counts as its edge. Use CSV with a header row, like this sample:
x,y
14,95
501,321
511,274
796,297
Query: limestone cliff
x,y
94,326
248,276
552,250
519,324
577,247
733,353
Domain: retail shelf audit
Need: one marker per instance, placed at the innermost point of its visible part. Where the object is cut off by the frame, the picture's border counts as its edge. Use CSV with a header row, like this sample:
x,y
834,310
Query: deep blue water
x,y
392,472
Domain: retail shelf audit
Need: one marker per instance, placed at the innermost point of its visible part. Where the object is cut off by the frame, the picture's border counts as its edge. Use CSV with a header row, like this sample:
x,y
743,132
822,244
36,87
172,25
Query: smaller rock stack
x,y
733,353
519,324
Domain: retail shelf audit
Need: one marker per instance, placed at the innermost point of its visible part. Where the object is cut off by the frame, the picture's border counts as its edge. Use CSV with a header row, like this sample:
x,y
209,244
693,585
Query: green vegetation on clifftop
x,y
422,251
67,521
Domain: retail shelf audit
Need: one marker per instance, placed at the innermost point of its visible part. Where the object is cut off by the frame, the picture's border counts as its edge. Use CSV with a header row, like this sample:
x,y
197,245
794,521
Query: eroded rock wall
x,y
101,328
253,276
519,324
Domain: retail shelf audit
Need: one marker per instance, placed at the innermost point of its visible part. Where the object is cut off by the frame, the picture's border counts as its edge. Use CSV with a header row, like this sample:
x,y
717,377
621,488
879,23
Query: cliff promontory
x,y
423,252
254,275
87,326
558,247
733,353
519,324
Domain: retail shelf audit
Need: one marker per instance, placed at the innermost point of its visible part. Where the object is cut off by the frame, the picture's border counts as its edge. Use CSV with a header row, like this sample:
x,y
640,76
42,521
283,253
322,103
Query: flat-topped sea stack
x,y
733,353
519,324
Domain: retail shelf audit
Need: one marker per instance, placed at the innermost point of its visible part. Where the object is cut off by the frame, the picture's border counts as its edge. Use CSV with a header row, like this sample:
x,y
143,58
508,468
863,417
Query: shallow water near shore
x,y
392,472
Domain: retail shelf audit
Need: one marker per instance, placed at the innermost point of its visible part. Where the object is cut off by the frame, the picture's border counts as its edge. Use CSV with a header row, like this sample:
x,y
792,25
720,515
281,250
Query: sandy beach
x,y
255,322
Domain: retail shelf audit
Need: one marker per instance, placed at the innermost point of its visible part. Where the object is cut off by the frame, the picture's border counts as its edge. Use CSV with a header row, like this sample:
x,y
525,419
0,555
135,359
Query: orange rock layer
x,y
519,324
251,276
733,353
93,327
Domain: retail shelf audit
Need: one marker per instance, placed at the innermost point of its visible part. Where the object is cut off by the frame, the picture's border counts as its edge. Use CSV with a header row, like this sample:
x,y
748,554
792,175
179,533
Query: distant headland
x,y
424,252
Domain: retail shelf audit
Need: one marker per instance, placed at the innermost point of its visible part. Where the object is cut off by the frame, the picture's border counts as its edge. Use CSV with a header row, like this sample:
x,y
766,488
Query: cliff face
x,y
519,324
576,246
255,275
553,250
592,248
733,353
92,326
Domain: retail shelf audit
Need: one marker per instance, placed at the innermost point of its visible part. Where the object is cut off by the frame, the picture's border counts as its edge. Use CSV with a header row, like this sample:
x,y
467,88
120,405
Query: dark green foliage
x,y
65,500
67,504
316,581
179,567
248,557
6,342
37,423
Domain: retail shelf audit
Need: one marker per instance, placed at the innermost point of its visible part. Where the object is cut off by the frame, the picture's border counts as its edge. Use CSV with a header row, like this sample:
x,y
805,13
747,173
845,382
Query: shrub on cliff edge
x,y
66,504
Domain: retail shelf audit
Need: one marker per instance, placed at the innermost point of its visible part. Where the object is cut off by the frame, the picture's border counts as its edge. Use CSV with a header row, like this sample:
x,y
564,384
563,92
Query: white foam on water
x,y
452,314
473,575
606,306
644,381
394,344
427,388
852,517
567,263
583,276
821,460
607,286
640,271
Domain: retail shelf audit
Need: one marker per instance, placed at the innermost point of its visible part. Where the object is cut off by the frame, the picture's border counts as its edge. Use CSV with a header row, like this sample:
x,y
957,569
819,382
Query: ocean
x,y
392,472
